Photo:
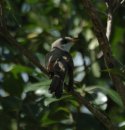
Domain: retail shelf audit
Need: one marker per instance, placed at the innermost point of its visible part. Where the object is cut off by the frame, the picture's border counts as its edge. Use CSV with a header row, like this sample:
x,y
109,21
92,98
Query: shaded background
x,y
25,103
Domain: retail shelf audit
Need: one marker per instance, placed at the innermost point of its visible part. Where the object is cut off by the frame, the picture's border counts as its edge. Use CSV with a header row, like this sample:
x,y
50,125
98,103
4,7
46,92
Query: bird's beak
x,y
74,40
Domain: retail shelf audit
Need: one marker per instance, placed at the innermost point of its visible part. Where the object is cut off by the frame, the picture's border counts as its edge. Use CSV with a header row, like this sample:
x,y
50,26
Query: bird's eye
x,y
64,41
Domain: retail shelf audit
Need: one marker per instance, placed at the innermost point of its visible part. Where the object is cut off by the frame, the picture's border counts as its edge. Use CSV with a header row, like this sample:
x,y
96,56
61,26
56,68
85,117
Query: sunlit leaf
x,y
46,121
17,69
96,69
43,84
62,109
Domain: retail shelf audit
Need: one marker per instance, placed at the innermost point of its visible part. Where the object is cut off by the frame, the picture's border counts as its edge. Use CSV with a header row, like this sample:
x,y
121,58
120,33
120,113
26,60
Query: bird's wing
x,y
58,60
70,66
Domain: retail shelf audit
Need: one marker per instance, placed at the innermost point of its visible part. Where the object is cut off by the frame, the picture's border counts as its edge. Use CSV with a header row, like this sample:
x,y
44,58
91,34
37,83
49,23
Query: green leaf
x,y
96,69
50,100
16,69
62,109
49,122
46,121
43,85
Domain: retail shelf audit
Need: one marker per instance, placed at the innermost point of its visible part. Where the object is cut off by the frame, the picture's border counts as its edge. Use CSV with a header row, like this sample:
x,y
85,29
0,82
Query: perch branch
x,y
97,113
104,46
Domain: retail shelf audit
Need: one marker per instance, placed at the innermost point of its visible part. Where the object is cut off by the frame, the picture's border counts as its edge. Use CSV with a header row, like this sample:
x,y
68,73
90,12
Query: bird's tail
x,y
56,86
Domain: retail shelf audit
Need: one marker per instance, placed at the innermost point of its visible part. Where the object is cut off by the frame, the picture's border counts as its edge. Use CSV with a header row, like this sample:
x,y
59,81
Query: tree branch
x,y
104,46
97,113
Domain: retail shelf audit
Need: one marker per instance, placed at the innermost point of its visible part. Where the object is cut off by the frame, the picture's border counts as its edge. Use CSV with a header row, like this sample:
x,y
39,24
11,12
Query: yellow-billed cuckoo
x,y
59,63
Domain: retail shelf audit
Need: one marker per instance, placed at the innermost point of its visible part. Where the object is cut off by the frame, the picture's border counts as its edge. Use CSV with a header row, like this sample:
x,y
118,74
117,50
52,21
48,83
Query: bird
x,y
59,64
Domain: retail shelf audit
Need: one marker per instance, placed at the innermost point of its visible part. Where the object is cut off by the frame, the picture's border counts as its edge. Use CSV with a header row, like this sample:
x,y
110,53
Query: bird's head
x,y
64,43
